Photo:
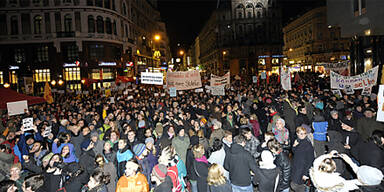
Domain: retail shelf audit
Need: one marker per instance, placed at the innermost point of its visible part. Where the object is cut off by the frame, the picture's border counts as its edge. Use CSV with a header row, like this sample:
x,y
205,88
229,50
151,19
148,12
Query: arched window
x,y
108,25
68,23
37,22
249,14
100,24
91,24
258,14
126,31
240,6
99,3
259,5
124,9
239,15
249,6
14,25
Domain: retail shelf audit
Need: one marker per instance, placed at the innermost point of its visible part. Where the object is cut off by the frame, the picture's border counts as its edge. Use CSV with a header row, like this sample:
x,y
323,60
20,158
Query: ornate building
x,y
242,36
309,40
78,41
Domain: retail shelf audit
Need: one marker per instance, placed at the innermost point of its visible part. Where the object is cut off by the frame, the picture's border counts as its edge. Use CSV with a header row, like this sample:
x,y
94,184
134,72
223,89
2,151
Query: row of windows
x,y
100,27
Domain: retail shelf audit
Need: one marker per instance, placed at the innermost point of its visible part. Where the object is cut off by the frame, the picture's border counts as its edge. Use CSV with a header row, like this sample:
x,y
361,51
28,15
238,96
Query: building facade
x,y
360,21
82,43
309,40
242,36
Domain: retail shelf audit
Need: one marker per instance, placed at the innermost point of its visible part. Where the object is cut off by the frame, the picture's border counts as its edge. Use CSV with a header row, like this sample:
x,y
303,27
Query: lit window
x,y
72,74
1,78
13,77
42,75
19,55
37,24
42,53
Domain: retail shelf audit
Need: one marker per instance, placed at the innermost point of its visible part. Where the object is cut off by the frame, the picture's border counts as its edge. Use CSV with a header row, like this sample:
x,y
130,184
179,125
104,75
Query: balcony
x,y
65,34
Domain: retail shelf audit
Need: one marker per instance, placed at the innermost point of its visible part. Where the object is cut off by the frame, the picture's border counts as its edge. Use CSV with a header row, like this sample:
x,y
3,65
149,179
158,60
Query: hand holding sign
x,y
27,124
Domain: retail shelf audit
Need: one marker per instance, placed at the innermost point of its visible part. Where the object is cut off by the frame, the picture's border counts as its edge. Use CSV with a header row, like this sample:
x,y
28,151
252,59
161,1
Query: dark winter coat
x,y
87,161
200,170
266,178
283,162
165,186
239,163
368,153
303,156
220,188
365,126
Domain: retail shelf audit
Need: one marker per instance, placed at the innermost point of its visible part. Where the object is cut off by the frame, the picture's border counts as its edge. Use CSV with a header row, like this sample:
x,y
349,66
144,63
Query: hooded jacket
x,y
134,183
283,162
122,157
239,163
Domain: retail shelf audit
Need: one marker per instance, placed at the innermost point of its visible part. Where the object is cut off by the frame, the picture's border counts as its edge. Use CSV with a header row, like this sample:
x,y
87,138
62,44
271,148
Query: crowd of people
x,y
256,137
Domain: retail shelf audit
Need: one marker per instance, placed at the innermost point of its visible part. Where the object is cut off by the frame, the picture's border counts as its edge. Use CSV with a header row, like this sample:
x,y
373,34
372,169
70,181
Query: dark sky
x,y
185,18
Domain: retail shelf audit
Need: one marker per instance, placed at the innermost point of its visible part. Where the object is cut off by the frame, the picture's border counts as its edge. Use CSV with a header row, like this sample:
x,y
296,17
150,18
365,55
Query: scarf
x,y
289,102
281,135
202,159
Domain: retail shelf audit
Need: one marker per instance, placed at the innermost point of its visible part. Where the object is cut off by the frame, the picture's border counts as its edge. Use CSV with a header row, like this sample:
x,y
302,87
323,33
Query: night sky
x,y
185,18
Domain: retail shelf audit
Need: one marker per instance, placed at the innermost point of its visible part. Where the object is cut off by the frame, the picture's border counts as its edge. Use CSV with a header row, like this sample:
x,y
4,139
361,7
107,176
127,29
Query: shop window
x,y
13,77
19,55
76,86
72,74
42,53
42,75
1,77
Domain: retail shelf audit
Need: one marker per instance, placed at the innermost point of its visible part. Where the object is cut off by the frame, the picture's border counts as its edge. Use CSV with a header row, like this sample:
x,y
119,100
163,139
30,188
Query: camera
x,y
58,165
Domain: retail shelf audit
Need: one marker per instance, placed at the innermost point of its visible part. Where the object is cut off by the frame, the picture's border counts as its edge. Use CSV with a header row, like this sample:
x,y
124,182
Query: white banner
x,y
380,104
218,90
17,108
184,80
223,80
285,79
152,78
367,79
172,91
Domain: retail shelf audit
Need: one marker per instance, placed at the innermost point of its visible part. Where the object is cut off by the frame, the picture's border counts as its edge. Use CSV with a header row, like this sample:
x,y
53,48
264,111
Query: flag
x,y
297,77
47,93
285,80
278,78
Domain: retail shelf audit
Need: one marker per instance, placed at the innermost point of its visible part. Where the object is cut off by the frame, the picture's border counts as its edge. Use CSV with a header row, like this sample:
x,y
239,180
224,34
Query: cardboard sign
x,y
112,99
223,80
263,75
172,91
199,90
85,92
156,94
366,91
27,124
17,108
285,80
163,94
152,78
337,92
184,80
218,90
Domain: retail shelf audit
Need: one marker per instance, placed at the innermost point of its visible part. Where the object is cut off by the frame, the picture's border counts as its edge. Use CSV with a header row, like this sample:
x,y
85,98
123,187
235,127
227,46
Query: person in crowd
x,y
302,117
108,153
227,140
160,178
108,168
216,180
218,156
176,167
97,182
334,121
123,155
141,153
273,116
255,126
33,183
16,176
371,152
264,145
350,137
239,163
132,180
8,186
194,140
283,162
252,142
200,167
6,160
367,124
267,175
218,132
303,156
281,133
181,143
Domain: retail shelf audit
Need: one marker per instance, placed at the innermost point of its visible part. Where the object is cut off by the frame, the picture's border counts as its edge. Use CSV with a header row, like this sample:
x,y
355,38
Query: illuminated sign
x,y
75,64
129,64
277,56
11,67
107,64
263,56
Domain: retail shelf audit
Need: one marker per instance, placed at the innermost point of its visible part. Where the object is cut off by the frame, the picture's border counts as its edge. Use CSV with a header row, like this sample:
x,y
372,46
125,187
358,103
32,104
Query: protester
x,y
216,180
283,162
132,180
97,182
267,175
159,176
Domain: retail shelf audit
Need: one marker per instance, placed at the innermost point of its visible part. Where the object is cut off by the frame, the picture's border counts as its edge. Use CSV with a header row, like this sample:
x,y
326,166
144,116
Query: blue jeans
x,y
236,188
193,186
285,190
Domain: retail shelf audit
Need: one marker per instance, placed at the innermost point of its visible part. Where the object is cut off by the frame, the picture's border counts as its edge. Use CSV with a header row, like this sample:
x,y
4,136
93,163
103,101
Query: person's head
x,y
268,136
216,175
280,124
37,146
247,133
99,160
15,170
378,138
8,186
239,139
217,145
198,151
227,136
85,131
368,113
30,139
98,178
65,151
274,146
302,110
122,144
200,133
334,114
167,154
32,183
131,135
148,132
347,125
181,132
159,173
327,166
94,137
301,132
108,146
131,168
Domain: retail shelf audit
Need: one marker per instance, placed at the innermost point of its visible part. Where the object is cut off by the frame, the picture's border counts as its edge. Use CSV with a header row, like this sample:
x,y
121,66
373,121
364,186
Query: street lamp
x,y
61,82
53,82
7,85
181,52
224,52
157,37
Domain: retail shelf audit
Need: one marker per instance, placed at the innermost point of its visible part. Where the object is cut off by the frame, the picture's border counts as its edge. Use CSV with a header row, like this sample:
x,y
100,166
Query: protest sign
x,y
17,108
285,79
366,91
223,80
85,92
218,90
78,92
199,90
254,79
47,131
130,97
184,80
380,104
337,93
263,75
366,79
112,99
163,94
156,94
172,91
152,78
28,83
27,124
341,66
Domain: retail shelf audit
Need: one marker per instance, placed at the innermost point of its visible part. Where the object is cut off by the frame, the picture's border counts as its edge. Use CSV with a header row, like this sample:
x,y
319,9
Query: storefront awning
x,y
9,95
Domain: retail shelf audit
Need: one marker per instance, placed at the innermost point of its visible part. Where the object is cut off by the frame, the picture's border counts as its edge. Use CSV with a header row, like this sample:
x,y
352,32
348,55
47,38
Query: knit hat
x,y
94,134
267,160
333,112
369,175
139,149
348,122
160,171
149,140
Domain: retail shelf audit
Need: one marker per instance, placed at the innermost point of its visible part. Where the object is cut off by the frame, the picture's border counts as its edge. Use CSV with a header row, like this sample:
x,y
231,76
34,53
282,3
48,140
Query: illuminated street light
x,y
290,49
181,52
53,82
157,37
224,52
83,81
61,82
7,85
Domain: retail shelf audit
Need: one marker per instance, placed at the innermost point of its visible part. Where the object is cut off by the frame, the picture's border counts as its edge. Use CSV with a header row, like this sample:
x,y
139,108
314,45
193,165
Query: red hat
x,y
160,171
